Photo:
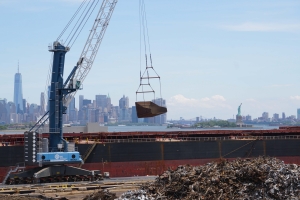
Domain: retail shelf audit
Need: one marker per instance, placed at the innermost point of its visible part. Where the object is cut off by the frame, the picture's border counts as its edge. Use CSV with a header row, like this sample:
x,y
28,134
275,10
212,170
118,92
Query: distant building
x,y
108,104
276,117
18,94
81,97
124,102
86,102
92,115
124,114
101,102
42,104
160,119
265,116
3,112
72,110
283,116
134,117
298,114
248,118
25,106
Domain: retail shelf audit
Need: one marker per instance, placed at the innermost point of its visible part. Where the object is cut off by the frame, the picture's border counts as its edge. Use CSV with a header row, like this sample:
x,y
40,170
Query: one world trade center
x,y
18,94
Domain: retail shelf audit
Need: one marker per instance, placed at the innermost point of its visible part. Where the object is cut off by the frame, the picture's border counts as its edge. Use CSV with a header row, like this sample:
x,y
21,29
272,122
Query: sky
x,y
211,55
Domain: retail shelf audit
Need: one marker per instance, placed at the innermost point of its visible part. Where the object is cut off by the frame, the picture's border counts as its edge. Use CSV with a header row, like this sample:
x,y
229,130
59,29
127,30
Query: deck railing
x,y
172,139
184,139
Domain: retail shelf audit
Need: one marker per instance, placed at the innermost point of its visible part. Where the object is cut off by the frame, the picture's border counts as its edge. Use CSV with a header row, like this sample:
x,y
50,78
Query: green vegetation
x,y
3,127
220,123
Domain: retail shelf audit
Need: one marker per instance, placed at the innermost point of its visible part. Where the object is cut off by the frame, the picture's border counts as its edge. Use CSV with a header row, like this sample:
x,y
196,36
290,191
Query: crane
x,y
53,155
62,93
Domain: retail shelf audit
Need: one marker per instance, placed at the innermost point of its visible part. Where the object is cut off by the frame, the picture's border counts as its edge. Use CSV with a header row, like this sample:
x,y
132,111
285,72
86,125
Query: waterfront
x,y
158,129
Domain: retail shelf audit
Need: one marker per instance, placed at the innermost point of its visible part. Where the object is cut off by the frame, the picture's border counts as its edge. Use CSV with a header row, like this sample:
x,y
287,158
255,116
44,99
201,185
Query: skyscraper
x,y
265,116
72,110
42,104
124,102
276,117
101,102
81,97
3,112
134,117
18,94
298,114
124,108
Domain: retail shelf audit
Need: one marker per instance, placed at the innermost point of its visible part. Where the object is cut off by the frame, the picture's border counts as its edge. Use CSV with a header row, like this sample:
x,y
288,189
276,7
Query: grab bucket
x,y
146,109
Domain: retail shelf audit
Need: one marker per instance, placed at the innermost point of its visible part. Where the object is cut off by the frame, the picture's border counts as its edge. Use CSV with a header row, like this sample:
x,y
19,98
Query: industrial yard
x,y
70,154
258,178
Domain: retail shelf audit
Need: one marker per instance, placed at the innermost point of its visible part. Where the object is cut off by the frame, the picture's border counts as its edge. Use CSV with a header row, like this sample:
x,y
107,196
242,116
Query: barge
x,y
125,154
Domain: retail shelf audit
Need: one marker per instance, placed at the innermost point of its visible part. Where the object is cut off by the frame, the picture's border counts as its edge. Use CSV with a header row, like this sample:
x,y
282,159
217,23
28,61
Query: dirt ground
x,y
74,195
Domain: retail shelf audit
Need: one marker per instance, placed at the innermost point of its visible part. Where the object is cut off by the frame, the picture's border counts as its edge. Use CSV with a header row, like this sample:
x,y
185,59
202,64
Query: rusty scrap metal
x,y
101,195
136,195
259,178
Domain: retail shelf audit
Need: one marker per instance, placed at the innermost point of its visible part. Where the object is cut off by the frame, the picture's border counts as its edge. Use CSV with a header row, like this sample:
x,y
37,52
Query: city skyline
x,y
210,55
101,100
18,92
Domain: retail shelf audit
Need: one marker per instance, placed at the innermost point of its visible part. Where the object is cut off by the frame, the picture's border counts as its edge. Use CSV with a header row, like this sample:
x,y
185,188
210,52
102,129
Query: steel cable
x,y
71,20
85,23
84,11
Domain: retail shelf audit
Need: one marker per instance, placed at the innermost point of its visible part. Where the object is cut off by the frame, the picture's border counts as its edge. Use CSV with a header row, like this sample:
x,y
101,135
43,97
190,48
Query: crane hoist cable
x,y
145,39
147,108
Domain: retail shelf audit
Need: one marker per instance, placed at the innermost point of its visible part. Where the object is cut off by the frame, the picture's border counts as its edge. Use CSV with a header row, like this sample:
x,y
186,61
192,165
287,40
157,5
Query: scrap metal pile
x,y
260,178
135,195
101,195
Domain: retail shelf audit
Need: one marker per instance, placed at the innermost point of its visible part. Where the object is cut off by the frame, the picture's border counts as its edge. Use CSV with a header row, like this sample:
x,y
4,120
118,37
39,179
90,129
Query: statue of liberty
x,y
239,110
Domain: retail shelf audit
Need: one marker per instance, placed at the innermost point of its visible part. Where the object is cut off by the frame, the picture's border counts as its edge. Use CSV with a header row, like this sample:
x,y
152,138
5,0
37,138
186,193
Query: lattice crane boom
x,y
90,49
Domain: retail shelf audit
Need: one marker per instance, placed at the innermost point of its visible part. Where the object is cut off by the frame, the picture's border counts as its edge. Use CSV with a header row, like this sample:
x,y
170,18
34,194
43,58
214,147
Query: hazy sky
x,y
211,55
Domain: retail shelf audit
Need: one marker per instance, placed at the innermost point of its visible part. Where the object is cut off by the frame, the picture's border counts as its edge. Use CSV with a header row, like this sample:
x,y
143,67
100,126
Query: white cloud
x,y
206,102
218,98
263,27
295,97
205,99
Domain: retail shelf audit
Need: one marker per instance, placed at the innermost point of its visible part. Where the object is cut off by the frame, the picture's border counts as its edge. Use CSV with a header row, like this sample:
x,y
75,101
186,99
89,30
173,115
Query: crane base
x,y
54,173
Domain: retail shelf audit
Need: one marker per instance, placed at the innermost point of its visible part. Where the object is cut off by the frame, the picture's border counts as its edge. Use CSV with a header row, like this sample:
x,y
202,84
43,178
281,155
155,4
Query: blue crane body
x,y
58,147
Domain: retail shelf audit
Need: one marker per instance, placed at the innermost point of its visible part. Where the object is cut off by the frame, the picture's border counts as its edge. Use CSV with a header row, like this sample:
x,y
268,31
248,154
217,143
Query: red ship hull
x,y
151,153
